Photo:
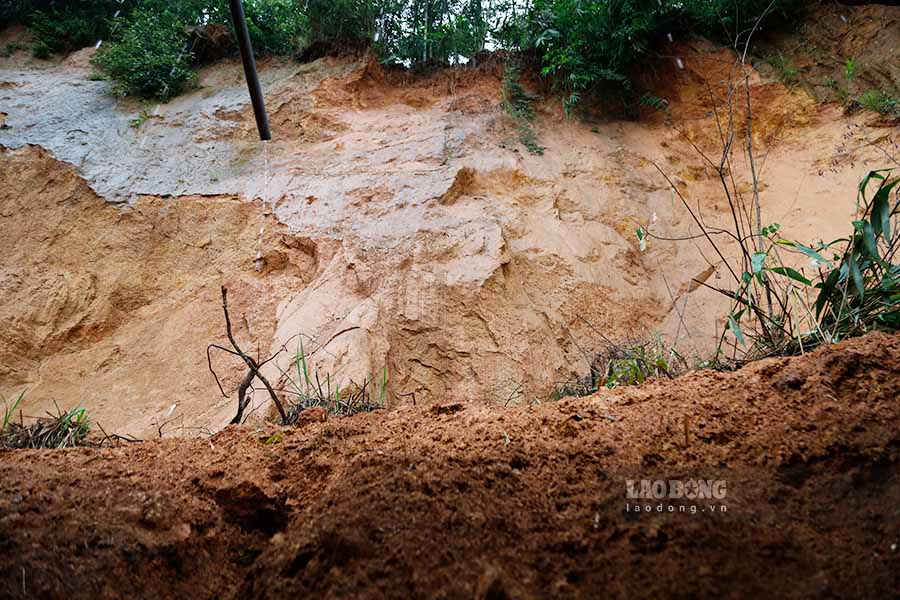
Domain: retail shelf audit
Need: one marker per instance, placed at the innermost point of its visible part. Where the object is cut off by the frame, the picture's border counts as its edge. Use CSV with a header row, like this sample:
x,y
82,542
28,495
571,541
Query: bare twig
x,y
251,364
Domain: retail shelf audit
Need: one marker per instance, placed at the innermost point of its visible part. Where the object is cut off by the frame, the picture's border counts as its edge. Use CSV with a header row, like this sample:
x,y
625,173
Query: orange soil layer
x,y
463,500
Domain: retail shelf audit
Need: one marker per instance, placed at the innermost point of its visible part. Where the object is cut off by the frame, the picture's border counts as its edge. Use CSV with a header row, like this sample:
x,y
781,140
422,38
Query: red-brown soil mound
x,y
462,500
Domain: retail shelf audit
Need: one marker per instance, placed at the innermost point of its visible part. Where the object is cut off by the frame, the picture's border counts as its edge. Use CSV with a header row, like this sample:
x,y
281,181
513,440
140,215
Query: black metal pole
x,y
256,97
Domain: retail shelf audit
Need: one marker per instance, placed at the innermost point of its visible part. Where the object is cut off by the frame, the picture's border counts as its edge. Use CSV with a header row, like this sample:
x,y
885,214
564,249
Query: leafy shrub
x,y
63,26
348,24
12,48
151,59
434,32
151,56
732,20
275,26
880,102
584,45
856,291
518,103
60,32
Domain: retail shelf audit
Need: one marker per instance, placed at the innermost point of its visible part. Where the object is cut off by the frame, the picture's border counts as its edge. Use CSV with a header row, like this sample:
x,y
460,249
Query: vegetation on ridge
x,y
577,45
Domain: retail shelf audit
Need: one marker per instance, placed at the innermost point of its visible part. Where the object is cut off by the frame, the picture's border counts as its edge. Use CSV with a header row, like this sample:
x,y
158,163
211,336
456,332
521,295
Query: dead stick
x,y
254,368
242,397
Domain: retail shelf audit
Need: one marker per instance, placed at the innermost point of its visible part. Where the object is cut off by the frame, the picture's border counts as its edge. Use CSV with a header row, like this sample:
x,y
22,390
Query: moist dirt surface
x,y
462,501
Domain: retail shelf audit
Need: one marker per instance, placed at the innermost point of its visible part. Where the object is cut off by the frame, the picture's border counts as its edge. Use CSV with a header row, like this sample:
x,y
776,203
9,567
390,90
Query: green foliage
x,y
880,102
275,26
855,291
151,58
517,101
786,70
12,48
587,44
433,32
581,45
625,363
58,31
62,430
639,363
850,69
519,104
347,24
150,54
139,120
654,103
311,390
731,20
63,26
8,411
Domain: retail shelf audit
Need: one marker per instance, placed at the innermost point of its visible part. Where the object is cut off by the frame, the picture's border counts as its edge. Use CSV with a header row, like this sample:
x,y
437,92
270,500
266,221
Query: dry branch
x,y
251,365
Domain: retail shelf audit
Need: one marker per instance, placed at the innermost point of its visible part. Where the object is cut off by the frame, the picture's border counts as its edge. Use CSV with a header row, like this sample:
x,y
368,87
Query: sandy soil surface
x,y
462,501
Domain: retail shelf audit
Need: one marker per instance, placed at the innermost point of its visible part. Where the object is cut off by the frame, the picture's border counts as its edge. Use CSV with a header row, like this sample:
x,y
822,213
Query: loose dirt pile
x,y
469,501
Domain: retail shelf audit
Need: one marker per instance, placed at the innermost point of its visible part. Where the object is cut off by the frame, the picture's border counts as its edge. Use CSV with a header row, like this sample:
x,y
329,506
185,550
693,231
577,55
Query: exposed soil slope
x,y
112,307
458,501
402,208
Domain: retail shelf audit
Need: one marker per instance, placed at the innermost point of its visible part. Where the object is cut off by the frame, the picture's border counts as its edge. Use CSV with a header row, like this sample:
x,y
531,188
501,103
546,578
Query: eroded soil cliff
x,y
400,210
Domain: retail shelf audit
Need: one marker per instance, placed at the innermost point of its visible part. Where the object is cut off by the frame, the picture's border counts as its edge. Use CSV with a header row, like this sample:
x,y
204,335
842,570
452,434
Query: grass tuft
x,y
65,429
308,390
624,363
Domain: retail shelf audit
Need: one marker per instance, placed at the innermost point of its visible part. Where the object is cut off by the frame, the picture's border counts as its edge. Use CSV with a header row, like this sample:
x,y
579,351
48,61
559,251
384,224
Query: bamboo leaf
x,y
857,276
757,262
792,273
881,210
868,234
736,330
807,251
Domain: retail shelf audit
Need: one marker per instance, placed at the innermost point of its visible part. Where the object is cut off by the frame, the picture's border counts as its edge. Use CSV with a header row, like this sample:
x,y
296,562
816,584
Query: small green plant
x,y
625,363
850,69
641,362
62,430
779,310
880,102
42,50
310,391
12,48
9,411
786,70
529,139
654,102
519,104
139,120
